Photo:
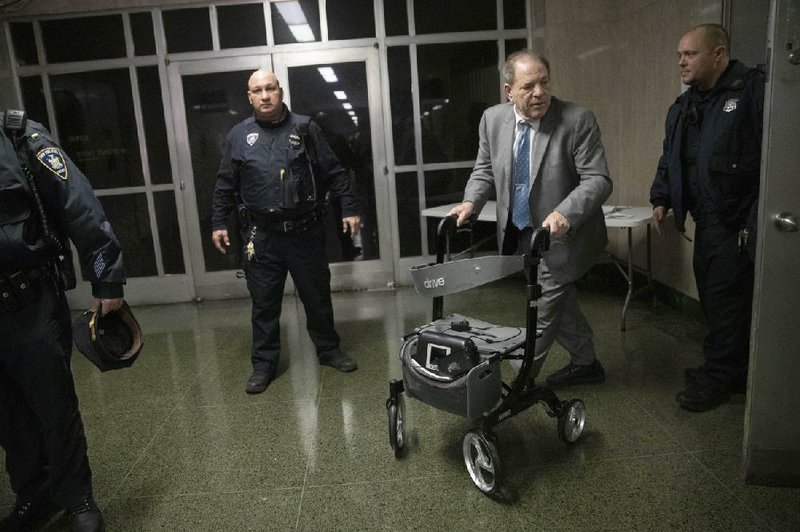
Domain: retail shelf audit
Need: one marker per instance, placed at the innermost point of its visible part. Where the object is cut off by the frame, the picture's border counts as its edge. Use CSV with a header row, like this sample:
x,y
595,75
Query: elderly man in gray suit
x,y
544,160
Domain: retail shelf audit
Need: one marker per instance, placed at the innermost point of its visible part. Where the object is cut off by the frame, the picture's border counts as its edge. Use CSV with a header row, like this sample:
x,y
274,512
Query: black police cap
x,y
110,342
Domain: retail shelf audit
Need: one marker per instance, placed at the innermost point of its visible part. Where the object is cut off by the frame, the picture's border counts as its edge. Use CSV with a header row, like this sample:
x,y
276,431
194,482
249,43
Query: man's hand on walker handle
x,y
463,212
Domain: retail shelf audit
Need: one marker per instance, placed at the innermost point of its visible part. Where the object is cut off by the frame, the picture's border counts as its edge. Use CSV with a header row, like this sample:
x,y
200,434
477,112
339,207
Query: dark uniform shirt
x,y
712,151
72,209
280,169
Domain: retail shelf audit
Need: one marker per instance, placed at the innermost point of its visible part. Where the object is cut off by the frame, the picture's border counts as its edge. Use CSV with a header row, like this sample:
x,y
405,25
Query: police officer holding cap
x,y
277,169
45,200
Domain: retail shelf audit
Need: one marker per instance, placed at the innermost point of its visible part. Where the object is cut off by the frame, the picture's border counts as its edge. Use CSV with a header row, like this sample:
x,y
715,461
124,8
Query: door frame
x,y
375,273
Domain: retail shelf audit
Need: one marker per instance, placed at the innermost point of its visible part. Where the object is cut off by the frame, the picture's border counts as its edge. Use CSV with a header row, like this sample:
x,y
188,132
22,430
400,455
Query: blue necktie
x,y
520,211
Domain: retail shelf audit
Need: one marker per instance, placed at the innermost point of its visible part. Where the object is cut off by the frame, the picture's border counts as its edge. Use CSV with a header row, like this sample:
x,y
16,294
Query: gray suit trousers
x,y
559,318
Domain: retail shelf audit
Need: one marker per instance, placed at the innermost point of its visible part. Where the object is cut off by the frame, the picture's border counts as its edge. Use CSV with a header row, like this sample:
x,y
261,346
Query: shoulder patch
x,y
52,159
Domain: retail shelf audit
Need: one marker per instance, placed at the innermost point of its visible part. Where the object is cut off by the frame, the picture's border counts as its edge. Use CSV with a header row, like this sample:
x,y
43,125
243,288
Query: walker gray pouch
x,y
446,356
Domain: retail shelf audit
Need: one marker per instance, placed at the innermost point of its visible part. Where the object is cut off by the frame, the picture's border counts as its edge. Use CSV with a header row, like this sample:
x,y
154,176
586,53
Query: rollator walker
x,y
453,362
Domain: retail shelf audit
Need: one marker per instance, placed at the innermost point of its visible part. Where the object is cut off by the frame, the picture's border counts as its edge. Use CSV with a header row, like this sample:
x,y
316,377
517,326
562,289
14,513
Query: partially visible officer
x,y
710,168
41,430
277,169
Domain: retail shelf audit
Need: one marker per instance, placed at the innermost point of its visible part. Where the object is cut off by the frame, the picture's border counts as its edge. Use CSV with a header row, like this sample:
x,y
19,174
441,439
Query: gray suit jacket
x,y
569,174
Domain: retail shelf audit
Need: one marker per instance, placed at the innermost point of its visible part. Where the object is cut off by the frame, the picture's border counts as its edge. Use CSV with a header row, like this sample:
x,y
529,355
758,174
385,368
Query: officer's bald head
x,y
265,95
262,77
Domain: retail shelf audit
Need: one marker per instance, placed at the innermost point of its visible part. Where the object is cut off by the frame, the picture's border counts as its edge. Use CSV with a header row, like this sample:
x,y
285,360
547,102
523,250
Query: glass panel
x,y
295,21
129,217
514,14
513,45
447,186
155,129
187,30
348,133
96,125
24,43
395,16
408,214
402,105
350,19
169,232
144,42
457,82
33,99
241,26
454,15
214,103
76,39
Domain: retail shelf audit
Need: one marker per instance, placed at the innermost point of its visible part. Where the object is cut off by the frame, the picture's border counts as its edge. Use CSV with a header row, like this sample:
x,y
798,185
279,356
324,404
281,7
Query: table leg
x,y
629,278
650,269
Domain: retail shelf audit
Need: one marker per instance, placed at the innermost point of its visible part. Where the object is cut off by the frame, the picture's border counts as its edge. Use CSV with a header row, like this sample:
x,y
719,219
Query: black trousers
x,y
724,276
302,254
41,430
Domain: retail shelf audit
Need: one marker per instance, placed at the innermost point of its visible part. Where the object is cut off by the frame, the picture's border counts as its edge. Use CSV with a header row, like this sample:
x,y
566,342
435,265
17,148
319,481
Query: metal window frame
x,y
161,59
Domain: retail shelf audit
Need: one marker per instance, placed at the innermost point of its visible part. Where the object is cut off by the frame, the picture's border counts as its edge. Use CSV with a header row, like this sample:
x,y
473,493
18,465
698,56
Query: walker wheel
x,y
482,461
571,421
397,432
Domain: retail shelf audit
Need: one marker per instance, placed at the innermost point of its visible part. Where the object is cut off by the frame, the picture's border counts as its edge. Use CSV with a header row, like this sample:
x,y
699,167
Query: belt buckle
x,y
288,225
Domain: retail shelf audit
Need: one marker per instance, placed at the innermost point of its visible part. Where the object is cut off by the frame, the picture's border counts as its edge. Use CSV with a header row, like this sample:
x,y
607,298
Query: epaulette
x,y
736,84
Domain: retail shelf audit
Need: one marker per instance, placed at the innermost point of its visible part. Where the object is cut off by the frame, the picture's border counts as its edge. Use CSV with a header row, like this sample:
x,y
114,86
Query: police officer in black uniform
x,y
41,430
710,167
277,169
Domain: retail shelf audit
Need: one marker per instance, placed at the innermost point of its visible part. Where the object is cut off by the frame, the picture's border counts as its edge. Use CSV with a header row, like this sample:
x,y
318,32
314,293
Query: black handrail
x,y
444,230
540,241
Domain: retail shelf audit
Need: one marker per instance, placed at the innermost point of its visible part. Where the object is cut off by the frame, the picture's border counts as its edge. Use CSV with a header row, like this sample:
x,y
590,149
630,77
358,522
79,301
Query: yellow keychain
x,y
250,248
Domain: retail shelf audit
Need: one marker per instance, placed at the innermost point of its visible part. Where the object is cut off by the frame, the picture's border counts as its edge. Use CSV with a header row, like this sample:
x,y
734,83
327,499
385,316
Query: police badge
x,y
730,105
52,159
251,138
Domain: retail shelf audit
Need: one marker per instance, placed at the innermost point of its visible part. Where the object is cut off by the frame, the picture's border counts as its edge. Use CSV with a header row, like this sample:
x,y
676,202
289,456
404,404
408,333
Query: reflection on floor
x,y
175,444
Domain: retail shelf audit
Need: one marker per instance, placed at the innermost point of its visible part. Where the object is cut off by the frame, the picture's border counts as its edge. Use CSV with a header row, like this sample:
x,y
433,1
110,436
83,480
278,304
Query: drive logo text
x,y
434,283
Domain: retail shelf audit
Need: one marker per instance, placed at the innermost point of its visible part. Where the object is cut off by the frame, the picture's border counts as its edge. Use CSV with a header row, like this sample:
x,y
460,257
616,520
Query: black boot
x,y
86,517
339,361
738,386
29,512
700,396
259,380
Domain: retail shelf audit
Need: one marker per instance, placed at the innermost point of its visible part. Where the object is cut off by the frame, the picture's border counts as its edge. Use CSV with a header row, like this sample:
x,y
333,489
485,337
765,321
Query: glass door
x,y
208,98
340,91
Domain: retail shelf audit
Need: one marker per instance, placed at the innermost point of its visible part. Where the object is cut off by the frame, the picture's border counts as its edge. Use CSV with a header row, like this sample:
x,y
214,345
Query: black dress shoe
x,y
339,361
86,518
28,512
700,398
259,381
575,374
693,376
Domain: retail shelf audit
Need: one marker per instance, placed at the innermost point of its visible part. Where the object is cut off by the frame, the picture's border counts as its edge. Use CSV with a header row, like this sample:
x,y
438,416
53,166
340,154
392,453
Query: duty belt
x,y
284,226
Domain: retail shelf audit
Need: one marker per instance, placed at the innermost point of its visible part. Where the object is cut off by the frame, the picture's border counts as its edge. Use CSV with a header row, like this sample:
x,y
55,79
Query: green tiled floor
x,y
176,444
